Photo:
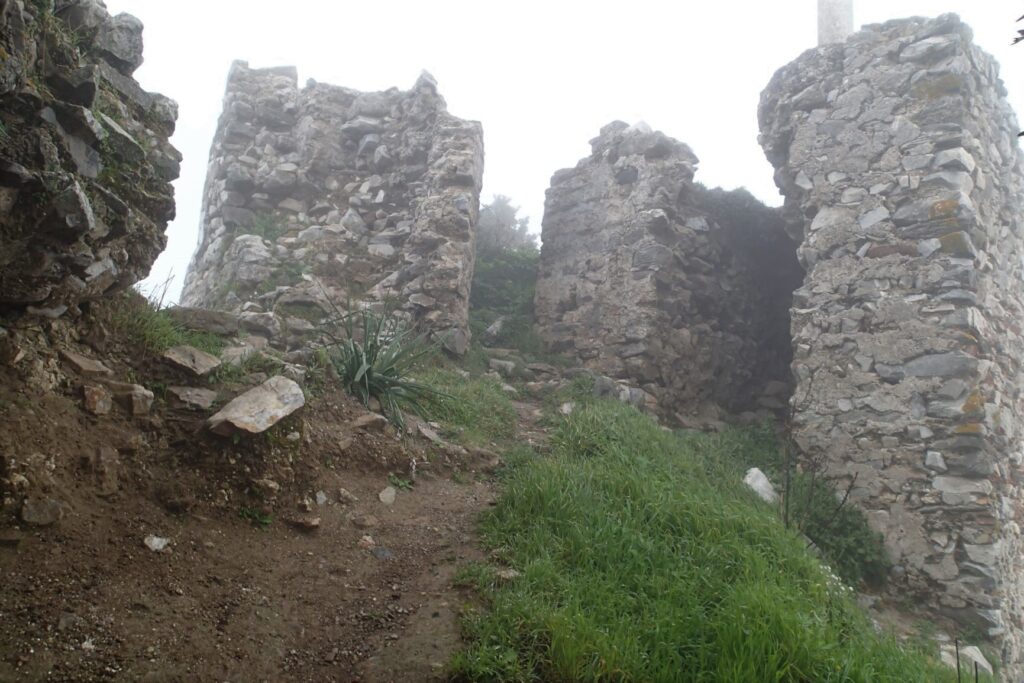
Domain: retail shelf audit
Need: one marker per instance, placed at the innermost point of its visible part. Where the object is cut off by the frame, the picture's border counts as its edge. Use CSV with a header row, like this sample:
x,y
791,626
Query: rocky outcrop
x,y
897,154
324,196
679,291
85,163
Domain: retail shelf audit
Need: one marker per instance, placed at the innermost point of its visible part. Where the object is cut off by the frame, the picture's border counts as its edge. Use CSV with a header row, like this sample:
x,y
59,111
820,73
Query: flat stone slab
x,y
192,359
85,366
205,320
260,408
193,397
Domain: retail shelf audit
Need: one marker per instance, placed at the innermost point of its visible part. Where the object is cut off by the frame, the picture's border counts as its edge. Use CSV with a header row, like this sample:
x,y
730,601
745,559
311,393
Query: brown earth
x,y
84,599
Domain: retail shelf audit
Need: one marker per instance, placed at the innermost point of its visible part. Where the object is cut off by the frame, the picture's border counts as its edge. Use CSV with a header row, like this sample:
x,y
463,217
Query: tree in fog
x,y
500,228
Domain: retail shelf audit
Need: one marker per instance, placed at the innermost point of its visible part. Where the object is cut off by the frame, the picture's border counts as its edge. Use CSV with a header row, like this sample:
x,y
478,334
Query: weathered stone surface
x,y
205,320
387,495
325,195
193,397
85,366
41,511
84,196
135,397
371,422
192,359
898,157
97,400
258,409
675,290
106,467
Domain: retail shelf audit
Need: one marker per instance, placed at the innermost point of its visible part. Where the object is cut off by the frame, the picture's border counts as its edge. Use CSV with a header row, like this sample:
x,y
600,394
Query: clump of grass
x,y
375,358
227,373
151,330
266,225
643,557
256,518
475,406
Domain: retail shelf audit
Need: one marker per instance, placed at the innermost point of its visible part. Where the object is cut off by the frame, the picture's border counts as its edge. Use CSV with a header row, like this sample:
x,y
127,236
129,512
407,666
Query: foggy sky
x,y
543,77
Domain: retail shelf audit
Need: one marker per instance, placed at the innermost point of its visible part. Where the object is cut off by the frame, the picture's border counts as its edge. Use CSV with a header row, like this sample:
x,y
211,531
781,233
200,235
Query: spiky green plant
x,y
374,360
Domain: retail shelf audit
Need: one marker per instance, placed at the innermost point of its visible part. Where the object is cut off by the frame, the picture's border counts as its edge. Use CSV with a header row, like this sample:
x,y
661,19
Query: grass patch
x,y
476,407
266,225
152,331
644,558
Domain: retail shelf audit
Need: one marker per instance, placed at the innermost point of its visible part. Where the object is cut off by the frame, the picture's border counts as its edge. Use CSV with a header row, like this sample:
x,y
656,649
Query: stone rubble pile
x,y
322,197
898,157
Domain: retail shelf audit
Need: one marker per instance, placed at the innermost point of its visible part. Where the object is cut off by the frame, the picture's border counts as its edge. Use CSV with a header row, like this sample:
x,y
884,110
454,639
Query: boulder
x,y
84,365
258,409
199,363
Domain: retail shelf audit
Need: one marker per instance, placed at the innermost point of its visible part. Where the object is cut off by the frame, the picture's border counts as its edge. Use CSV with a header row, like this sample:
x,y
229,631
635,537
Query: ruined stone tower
x,y
897,154
324,196
680,292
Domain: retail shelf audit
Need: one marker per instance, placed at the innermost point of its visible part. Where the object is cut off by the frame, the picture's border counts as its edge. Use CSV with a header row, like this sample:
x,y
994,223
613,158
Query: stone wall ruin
x,y
324,196
897,154
85,163
680,292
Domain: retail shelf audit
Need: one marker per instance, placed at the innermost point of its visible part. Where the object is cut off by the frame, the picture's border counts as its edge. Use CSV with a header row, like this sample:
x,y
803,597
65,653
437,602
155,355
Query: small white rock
x,y
387,496
157,543
757,480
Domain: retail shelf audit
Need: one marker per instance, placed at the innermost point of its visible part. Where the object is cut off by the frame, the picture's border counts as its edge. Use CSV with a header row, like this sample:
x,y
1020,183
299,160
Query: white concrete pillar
x,y
835,21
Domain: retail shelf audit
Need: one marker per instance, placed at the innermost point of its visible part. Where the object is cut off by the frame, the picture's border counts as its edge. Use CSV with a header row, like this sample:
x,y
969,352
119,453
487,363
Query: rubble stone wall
x,y
898,157
324,196
85,162
680,292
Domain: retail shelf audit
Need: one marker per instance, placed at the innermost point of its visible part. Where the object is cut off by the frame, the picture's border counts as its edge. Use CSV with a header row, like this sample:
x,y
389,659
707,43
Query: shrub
x,y
374,361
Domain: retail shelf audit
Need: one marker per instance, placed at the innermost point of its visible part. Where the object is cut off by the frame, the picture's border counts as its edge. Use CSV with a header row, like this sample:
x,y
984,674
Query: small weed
x,y
399,483
266,225
257,518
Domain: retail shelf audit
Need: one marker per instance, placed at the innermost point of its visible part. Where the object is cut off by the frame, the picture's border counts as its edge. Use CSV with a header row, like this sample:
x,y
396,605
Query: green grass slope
x,y
644,558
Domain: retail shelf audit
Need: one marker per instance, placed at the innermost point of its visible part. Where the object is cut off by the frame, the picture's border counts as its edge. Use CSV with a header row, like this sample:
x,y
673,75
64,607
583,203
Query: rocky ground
x,y
144,547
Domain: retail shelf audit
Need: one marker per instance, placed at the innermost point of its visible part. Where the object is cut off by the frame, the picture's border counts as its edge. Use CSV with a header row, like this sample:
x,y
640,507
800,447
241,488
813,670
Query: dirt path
x,y
231,602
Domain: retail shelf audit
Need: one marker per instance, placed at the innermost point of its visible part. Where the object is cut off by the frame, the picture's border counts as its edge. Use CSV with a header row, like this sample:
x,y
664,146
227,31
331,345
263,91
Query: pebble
x,y
157,543
387,496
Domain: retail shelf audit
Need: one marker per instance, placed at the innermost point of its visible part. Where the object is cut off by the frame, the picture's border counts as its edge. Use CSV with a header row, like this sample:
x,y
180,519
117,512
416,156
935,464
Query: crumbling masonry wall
x,y
324,196
680,292
898,157
85,163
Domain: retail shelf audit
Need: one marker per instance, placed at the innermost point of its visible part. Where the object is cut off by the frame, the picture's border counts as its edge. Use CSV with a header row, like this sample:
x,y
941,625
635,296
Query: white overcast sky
x,y
543,77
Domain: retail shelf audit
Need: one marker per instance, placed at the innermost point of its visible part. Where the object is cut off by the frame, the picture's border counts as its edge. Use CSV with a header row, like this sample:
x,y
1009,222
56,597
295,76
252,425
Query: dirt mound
x,y
136,545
